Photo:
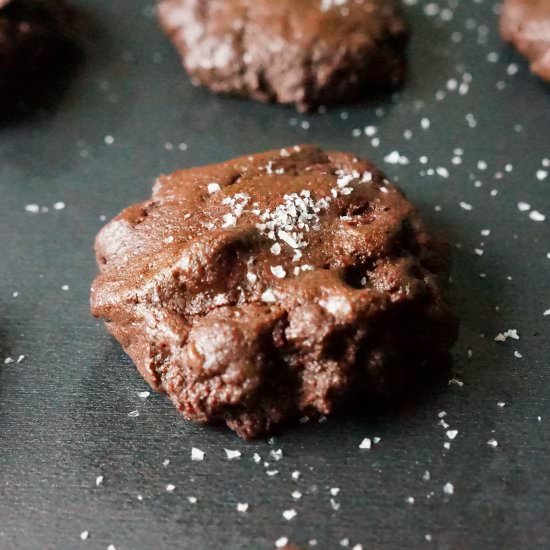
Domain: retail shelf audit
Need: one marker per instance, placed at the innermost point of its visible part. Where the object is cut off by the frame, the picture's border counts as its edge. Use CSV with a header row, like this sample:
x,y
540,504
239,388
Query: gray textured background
x,y
64,409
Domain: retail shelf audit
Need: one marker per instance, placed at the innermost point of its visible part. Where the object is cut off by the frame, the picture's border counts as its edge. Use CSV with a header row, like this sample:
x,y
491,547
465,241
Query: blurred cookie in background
x,y
38,48
303,52
526,24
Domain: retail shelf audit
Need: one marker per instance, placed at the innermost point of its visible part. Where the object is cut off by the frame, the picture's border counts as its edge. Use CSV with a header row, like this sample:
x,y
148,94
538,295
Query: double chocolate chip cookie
x,y
38,38
275,285
303,52
526,24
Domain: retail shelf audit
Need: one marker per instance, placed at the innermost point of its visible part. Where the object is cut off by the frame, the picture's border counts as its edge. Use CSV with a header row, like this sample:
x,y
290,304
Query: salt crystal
x,y
542,175
197,454
232,455
448,488
396,158
278,271
366,443
268,296
503,336
537,216
276,454
290,514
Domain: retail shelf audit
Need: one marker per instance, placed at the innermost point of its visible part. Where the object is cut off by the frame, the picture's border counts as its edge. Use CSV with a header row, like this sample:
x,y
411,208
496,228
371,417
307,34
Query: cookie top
x,y
267,285
35,36
307,52
526,23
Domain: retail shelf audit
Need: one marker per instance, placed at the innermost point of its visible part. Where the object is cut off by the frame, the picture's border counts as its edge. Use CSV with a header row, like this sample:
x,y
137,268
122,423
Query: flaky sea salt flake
x,y
232,454
366,444
197,454
508,334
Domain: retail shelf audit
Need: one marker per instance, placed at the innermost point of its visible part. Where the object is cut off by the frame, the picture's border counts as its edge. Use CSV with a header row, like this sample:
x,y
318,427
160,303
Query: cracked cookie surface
x,y
274,285
303,52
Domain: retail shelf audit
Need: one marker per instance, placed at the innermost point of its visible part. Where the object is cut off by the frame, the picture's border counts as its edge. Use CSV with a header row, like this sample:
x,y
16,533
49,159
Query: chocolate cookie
x,y
37,37
305,52
274,285
526,24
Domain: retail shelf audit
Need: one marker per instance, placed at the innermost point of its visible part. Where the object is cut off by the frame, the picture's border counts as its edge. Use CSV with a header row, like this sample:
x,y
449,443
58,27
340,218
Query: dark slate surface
x,y
64,408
